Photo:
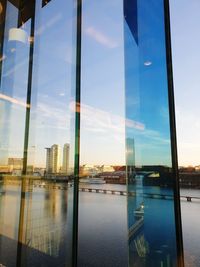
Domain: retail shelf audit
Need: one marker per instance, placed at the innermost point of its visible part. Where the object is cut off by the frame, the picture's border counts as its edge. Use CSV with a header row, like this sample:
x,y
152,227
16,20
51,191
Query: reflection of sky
x,y
51,86
102,136
13,84
103,85
185,24
51,78
148,82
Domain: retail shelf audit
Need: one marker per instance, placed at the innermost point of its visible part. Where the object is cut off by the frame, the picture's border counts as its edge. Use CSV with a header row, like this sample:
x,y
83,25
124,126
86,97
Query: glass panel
x,y
150,190
151,218
37,98
186,65
102,200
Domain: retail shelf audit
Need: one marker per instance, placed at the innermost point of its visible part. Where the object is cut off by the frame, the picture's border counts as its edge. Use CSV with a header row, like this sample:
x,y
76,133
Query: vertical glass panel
x,y
13,105
102,200
186,64
36,133
151,219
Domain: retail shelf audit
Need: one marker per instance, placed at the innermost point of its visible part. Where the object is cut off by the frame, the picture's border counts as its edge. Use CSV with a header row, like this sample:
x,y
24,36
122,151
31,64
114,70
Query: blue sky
x,y
104,82
185,24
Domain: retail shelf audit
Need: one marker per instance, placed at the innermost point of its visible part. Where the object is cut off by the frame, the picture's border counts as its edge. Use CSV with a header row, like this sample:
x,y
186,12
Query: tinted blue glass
x,y
151,220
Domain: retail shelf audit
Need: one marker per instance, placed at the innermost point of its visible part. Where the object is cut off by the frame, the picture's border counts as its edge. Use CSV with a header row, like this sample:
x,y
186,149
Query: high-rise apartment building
x,y
53,159
48,160
65,165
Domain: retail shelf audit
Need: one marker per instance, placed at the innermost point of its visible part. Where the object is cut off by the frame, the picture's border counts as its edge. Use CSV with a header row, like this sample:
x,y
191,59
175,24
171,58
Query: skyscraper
x,y
53,159
130,159
48,159
65,166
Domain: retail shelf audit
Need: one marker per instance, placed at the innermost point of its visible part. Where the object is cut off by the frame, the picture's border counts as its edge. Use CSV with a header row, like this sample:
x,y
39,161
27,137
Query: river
x,y
102,225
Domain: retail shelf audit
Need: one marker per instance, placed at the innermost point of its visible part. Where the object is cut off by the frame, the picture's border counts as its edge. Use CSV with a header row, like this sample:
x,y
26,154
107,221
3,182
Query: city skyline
x,y
57,159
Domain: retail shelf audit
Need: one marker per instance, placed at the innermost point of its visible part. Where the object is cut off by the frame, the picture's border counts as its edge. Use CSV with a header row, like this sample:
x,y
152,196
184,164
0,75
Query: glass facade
x,y
150,173
88,171
37,102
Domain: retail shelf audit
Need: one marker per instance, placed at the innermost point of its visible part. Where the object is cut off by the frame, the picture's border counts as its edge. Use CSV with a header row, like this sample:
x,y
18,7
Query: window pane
x,y
37,130
151,219
102,210
141,135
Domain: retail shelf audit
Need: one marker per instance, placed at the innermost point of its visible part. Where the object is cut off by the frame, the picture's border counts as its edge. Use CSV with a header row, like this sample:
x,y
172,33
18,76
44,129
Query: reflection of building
x,y
43,232
53,159
65,166
16,164
130,153
130,159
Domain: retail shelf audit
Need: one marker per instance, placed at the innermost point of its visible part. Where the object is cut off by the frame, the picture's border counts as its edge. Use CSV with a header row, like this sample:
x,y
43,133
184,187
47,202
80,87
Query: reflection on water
x,y
102,238
102,229
38,219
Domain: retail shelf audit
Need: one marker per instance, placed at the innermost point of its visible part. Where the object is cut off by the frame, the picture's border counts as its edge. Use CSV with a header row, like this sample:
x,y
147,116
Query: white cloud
x,y
100,37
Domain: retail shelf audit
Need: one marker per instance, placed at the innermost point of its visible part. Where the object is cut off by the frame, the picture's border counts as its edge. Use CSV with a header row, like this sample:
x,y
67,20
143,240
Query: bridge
x,y
117,192
58,186
145,195
106,191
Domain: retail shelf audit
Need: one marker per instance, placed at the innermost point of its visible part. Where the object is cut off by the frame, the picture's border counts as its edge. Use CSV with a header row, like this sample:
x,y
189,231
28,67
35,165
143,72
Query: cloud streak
x,y
100,37
97,120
